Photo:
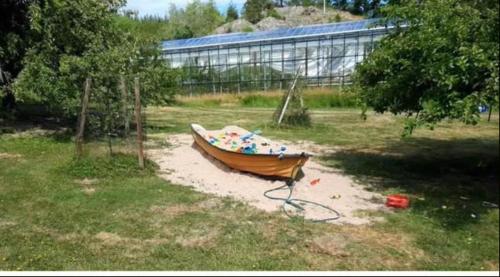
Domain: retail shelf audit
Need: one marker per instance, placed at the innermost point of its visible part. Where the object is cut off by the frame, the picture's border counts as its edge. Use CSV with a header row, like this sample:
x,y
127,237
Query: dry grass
x,y
87,185
333,245
237,99
198,238
171,211
9,156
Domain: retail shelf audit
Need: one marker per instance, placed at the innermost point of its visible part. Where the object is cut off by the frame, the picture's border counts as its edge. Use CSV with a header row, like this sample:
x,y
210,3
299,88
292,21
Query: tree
x,y
340,4
444,64
197,19
255,10
65,36
279,3
231,13
360,6
73,40
14,27
306,3
374,8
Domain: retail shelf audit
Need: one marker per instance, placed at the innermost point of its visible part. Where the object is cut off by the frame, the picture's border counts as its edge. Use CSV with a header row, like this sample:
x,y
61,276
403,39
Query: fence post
x,y
123,87
290,91
490,107
81,120
138,120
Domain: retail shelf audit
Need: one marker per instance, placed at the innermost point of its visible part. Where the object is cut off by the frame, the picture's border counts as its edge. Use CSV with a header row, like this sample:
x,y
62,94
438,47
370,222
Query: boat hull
x,y
286,167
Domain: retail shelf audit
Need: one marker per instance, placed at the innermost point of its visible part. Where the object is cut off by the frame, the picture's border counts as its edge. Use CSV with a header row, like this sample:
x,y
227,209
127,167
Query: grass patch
x,y
317,98
105,166
260,100
134,220
335,99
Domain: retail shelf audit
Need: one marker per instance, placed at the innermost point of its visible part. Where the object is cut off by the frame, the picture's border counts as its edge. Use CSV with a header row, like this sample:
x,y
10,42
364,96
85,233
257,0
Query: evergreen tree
x,y
360,6
231,13
254,10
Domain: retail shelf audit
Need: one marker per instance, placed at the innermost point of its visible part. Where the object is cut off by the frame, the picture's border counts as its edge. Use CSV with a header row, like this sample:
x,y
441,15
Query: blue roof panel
x,y
273,34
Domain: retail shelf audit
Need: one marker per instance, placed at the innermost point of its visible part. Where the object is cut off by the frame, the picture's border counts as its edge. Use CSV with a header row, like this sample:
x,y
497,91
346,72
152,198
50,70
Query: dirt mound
x,y
299,16
237,26
288,17
270,23
186,164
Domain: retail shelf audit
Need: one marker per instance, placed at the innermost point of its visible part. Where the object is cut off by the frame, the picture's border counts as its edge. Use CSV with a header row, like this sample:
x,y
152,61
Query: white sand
x,y
186,164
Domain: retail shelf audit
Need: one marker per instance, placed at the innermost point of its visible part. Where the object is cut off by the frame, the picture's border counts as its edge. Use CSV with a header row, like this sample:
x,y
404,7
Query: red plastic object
x,y
398,201
314,182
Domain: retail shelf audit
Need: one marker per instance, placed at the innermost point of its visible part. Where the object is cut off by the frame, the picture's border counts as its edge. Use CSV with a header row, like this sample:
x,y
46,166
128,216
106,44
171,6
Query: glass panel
x,y
213,57
350,46
277,52
233,58
325,43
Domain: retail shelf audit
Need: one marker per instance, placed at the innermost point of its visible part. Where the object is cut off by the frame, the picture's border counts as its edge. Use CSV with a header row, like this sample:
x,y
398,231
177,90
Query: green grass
x,y
314,98
128,219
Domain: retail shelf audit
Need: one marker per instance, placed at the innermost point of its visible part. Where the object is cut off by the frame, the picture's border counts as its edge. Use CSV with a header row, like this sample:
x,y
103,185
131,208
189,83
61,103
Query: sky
x,y
160,7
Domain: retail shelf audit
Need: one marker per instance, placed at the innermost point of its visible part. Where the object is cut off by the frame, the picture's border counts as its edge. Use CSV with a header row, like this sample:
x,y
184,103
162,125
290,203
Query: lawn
x,y
101,213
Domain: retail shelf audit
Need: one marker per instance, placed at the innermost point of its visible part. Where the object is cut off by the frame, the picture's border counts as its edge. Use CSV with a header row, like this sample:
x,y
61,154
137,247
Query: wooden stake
x,y
284,107
123,87
489,112
108,124
290,91
81,121
138,120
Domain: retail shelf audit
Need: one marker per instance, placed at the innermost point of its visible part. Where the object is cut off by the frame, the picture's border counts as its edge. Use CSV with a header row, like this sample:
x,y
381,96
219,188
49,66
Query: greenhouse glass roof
x,y
283,33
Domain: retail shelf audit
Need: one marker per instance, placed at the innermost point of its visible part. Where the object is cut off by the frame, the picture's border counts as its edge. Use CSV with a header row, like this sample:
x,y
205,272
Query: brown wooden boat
x,y
263,162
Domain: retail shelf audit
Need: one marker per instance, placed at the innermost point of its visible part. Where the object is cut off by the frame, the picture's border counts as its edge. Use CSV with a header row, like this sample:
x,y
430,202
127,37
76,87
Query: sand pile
x,y
184,163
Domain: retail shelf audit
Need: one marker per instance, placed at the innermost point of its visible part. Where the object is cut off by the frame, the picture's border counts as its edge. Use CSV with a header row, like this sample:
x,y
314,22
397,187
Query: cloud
x,y
160,7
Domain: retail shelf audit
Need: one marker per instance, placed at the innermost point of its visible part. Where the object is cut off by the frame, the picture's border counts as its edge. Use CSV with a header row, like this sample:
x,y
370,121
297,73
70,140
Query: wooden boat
x,y
264,161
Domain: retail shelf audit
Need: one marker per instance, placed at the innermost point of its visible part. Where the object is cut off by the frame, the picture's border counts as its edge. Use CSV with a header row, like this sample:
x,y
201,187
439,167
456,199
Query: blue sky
x,y
160,7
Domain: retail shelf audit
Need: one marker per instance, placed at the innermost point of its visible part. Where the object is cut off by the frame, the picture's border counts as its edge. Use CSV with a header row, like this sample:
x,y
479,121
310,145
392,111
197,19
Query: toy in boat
x,y
249,152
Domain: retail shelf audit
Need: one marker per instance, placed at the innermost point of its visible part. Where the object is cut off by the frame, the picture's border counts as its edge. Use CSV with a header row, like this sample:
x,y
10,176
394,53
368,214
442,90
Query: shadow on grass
x,y
103,166
448,180
60,130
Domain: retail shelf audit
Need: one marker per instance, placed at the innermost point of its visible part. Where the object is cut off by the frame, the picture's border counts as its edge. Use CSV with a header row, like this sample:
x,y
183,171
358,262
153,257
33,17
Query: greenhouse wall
x,y
266,64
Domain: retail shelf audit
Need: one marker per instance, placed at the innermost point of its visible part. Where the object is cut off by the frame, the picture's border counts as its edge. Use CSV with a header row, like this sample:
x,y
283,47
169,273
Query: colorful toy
x,y
314,182
250,135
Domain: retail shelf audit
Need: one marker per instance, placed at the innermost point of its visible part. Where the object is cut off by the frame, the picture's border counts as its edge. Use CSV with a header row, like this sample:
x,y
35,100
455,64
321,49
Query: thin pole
x,y
138,120
238,60
126,120
489,112
288,96
81,123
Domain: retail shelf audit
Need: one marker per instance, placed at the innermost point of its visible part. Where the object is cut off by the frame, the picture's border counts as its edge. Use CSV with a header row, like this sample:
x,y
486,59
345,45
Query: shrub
x,y
296,114
247,29
275,14
258,100
297,117
254,9
337,18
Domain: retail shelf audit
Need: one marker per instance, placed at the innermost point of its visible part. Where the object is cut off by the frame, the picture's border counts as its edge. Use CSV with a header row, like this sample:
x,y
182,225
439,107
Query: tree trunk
x,y
126,120
490,108
138,120
81,121
108,125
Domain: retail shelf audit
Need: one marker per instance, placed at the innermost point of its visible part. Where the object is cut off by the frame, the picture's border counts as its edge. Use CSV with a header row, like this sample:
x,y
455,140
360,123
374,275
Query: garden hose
x,y
294,202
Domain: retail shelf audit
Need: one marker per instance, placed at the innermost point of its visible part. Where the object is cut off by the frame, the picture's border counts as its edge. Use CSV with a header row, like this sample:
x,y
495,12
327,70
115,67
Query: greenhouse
x,y
322,55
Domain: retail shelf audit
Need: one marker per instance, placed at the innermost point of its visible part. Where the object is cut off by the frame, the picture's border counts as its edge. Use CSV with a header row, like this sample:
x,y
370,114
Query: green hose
x,y
293,202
